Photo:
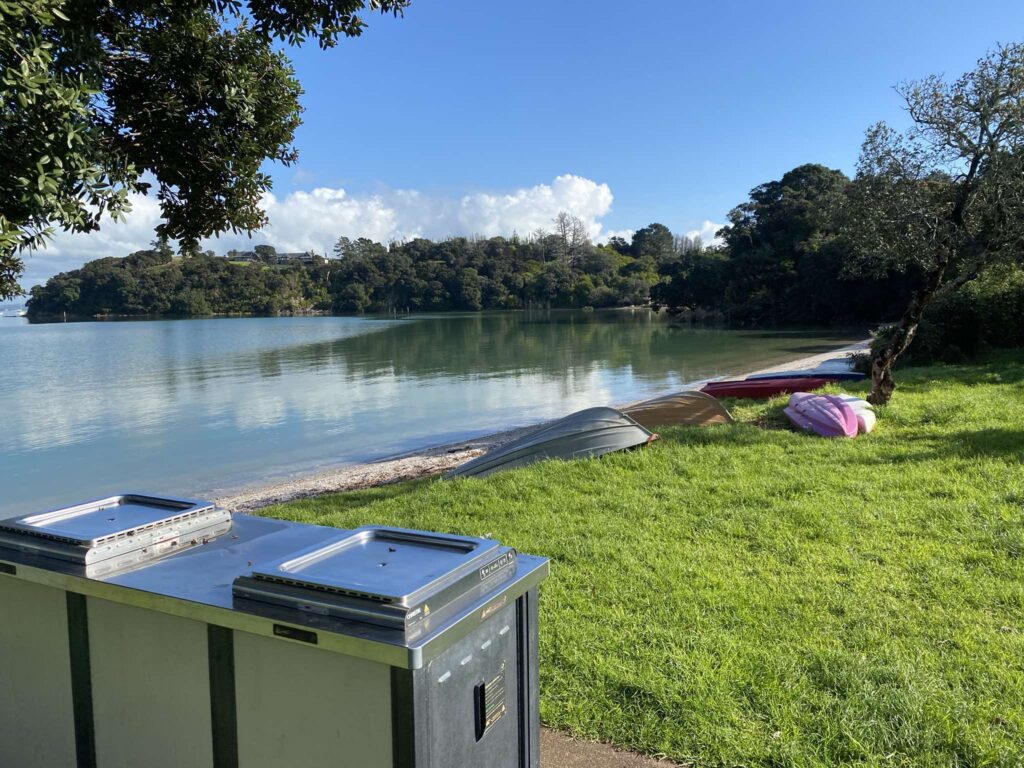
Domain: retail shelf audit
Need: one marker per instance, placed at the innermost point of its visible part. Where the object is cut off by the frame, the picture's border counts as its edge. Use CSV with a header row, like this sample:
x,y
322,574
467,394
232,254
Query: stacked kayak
x,y
814,373
864,411
830,415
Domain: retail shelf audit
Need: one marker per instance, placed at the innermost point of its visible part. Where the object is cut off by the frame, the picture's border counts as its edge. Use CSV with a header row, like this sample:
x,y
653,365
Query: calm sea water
x,y
197,407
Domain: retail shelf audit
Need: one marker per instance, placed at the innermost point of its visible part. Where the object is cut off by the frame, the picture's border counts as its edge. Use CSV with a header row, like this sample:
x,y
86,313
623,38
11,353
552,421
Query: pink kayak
x,y
825,415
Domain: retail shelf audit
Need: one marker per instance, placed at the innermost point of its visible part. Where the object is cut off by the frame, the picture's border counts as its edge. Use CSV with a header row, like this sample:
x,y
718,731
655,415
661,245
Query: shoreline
x,y
433,460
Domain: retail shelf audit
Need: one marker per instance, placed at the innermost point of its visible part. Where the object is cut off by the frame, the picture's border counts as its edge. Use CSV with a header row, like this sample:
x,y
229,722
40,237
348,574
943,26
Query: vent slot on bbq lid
x,y
115,526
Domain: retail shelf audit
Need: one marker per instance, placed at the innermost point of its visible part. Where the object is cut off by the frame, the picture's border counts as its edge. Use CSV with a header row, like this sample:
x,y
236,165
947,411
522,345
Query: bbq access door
x,y
37,716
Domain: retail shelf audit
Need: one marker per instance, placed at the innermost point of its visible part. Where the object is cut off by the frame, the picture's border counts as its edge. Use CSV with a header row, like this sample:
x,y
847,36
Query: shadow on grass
x,y
966,444
1003,369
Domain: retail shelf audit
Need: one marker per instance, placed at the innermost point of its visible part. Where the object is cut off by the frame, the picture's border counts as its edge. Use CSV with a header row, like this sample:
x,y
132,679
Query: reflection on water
x,y
196,406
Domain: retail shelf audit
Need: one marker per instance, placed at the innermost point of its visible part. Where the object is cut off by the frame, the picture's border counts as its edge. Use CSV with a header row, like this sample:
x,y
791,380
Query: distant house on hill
x,y
266,255
307,257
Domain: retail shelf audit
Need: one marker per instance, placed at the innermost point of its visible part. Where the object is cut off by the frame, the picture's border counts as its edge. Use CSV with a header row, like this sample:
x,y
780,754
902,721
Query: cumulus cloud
x,y
69,250
305,220
707,232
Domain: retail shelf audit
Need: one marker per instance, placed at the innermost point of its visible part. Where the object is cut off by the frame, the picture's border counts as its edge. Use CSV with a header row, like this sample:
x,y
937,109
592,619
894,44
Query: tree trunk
x,y
882,383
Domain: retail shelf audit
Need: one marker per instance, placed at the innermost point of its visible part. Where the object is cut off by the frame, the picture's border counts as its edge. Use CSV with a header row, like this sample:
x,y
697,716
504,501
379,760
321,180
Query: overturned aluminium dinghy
x,y
690,408
593,432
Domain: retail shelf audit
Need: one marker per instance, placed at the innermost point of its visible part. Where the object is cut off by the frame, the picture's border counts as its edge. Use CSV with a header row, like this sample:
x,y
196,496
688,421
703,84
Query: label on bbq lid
x,y
503,561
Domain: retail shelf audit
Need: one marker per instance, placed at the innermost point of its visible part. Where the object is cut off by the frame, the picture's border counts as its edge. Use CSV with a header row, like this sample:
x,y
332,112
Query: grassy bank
x,y
751,596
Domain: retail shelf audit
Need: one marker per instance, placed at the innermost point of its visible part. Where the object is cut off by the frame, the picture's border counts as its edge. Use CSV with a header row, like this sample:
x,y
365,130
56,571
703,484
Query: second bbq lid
x,y
386,565
104,528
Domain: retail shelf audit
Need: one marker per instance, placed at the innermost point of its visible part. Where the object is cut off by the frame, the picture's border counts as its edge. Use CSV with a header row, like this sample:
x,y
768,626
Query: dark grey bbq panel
x,y
472,704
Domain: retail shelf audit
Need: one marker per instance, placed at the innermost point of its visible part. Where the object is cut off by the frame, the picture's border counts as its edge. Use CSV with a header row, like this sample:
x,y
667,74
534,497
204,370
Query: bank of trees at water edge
x,y
735,281
561,268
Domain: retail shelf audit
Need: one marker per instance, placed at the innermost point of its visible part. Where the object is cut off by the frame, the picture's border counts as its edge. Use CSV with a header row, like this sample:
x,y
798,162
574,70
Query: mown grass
x,y
749,596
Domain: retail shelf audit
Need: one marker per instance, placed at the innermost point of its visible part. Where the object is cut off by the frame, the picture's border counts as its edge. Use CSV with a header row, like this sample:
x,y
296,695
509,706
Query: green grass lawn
x,y
748,596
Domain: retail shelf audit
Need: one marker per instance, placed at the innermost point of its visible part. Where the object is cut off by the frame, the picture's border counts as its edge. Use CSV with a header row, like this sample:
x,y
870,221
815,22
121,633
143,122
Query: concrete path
x,y
559,750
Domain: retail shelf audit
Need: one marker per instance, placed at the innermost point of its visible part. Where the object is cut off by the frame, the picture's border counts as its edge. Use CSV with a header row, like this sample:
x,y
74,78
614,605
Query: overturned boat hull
x,y
592,432
864,411
689,408
763,388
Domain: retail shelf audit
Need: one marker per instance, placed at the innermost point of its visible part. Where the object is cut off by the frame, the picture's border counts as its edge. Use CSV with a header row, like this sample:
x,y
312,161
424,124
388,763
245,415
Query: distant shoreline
x,y
49,318
430,461
40,318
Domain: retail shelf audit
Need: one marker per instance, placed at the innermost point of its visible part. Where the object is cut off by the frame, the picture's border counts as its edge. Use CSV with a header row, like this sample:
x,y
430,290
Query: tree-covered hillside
x,y
782,261
155,283
778,261
560,269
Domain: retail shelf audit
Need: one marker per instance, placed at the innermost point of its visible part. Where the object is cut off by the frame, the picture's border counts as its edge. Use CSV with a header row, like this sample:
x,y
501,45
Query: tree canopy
x,y
944,199
104,98
781,262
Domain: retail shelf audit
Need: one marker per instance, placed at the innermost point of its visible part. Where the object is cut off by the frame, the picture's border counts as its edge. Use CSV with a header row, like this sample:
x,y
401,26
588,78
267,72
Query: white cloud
x,y
608,234
69,250
707,232
304,220
313,220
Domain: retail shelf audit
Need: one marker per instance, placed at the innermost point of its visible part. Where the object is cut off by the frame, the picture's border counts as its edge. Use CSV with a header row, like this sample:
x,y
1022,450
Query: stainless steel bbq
x,y
142,631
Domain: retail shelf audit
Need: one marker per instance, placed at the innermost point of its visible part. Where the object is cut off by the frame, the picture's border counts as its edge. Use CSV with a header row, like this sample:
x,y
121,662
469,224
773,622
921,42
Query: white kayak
x,y
863,409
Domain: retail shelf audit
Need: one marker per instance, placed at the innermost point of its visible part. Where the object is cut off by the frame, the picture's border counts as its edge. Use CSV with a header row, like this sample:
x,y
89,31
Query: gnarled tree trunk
x,y
882,383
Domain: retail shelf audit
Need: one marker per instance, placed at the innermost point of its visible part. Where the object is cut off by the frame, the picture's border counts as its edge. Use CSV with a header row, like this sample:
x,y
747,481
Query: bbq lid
x,y
108,527
391,577
386,565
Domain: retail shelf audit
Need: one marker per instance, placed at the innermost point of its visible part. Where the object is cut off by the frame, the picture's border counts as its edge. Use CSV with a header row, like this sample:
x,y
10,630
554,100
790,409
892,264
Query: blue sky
x,y
680,107
462,117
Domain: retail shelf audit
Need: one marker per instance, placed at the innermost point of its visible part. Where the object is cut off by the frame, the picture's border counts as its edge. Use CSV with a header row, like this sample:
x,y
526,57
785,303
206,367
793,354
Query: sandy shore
x,y
813,361
431,461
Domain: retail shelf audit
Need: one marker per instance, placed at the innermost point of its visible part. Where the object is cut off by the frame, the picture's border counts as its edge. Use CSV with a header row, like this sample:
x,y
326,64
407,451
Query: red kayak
x,y
763,388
